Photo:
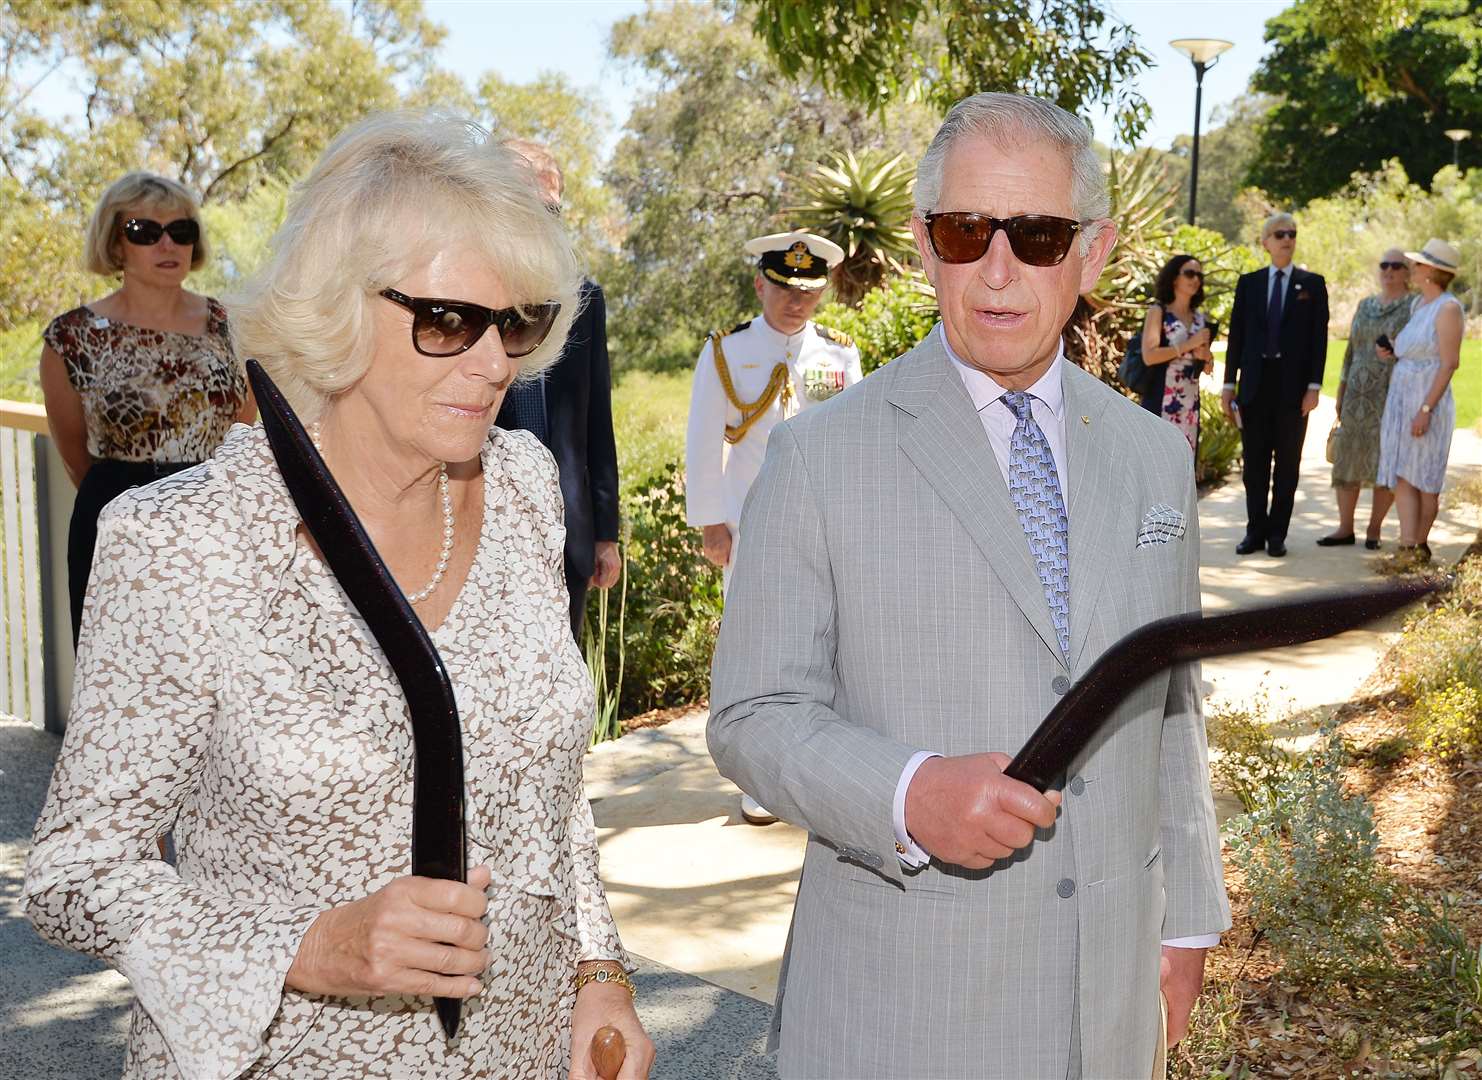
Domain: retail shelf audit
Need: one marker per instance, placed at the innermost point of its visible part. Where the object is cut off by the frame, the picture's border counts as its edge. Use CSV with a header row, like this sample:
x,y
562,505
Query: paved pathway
x,y
705,897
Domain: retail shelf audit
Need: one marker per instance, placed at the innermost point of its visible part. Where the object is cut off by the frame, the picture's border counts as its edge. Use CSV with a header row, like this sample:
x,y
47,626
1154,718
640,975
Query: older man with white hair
x,y
932,558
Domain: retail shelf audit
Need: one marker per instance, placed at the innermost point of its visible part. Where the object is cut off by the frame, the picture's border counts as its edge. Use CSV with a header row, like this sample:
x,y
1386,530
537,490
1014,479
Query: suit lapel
x,y
1096,494
945,441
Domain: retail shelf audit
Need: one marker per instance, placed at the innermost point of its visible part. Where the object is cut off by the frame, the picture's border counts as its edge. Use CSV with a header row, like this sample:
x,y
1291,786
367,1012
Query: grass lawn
x,y
1466,384
648,419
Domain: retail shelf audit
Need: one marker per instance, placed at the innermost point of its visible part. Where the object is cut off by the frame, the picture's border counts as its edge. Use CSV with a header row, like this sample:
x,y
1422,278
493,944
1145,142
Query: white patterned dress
x,y
226,690
1422,461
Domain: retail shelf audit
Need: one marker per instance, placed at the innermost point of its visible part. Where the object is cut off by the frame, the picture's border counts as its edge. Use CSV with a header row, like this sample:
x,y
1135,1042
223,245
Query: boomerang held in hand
x,y
1076,718
438,844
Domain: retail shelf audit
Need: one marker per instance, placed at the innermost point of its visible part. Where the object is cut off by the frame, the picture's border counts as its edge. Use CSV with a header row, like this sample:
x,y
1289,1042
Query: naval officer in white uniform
x,y
749,380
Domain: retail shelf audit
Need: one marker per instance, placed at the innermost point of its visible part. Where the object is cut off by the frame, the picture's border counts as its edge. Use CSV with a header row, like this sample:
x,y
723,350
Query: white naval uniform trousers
x,y
718,474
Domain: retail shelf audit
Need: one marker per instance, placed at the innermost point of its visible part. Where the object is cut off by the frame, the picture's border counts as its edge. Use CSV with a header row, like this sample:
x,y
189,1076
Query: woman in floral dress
x,y
1362,389
1175,345
228,689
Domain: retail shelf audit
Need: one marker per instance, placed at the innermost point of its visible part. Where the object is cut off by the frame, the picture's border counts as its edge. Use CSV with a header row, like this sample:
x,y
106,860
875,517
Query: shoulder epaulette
x,y
838,337
737,328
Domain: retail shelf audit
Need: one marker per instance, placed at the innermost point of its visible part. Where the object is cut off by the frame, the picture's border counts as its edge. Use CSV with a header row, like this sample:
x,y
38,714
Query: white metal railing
x,y
35,621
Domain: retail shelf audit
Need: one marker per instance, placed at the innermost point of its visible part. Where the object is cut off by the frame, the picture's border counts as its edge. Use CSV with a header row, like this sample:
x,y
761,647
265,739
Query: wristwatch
x,y
1425,408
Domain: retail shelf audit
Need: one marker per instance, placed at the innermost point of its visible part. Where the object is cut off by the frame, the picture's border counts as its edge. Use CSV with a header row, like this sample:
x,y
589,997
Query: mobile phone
x,y
1383,342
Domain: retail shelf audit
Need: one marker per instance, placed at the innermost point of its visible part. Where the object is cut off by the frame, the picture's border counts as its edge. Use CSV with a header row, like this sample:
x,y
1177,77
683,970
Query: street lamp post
x,y
1204,52
1456,135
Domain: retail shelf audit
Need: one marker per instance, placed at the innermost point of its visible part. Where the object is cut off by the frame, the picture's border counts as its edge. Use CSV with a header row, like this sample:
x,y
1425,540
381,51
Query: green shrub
x,y
656,650
20,351
1439,647
1219,441
1249,764
1447,721
889,320
1316,889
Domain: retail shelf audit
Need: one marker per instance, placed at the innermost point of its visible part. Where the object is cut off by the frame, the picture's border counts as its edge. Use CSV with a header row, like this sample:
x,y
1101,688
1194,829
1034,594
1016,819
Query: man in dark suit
x,y
1273,373
570,411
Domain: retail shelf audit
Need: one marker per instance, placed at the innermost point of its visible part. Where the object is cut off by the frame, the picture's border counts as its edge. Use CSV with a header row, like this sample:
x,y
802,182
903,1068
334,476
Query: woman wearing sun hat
x,y
1420,414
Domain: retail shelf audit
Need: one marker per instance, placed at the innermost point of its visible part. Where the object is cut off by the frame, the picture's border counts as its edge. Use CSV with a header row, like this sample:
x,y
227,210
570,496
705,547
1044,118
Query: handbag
x,y
1334,434
1133,372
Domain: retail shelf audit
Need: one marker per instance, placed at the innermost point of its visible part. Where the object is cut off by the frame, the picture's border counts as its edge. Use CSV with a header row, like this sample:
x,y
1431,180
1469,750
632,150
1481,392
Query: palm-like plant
x,y
863,204
1141,199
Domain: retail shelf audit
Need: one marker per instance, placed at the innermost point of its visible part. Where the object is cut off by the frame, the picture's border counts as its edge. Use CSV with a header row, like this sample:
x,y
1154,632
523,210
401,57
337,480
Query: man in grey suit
x,y
932,557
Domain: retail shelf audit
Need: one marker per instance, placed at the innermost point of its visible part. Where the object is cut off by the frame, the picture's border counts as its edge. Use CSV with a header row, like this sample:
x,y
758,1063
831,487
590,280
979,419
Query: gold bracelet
x,y
611,972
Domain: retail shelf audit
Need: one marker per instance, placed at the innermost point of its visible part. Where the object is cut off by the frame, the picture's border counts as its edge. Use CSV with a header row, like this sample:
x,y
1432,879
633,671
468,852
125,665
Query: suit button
x,y
1078,786
1060,684
1066,889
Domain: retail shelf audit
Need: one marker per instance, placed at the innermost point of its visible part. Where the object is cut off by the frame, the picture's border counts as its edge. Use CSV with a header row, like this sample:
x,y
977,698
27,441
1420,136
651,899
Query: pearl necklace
x,y
448,520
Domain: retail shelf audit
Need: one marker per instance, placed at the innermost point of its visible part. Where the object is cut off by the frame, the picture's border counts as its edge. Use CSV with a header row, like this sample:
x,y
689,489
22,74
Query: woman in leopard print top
x,y
143,382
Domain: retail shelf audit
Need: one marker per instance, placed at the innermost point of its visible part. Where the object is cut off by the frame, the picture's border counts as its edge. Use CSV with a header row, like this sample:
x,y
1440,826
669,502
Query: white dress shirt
x,y
1047,406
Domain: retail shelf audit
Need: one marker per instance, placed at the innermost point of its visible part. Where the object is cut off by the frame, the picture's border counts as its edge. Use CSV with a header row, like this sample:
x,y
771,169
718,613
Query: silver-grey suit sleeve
x,y
776,724
1194,878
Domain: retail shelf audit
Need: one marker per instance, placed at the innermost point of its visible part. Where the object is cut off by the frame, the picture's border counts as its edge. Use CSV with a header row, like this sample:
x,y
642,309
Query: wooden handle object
x,y
608,1052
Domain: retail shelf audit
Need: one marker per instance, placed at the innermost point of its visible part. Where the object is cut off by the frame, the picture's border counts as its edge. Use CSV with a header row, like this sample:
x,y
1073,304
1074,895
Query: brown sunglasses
x,y
449,327
1036,239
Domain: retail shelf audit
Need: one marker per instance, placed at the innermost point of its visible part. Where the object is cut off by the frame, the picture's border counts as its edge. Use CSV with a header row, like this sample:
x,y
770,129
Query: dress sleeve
x,y
62,334
597,933
206,961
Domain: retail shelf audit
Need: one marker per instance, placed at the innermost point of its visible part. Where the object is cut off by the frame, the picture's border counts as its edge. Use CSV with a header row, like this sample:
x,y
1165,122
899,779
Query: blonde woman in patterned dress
x,y
1362,390
227,690
142,383
1420,412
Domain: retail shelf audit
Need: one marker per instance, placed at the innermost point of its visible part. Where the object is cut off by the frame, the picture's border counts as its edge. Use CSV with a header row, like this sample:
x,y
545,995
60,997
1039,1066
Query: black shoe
x,y
1276,548
1372,543
1336,541
1249,546
1423,550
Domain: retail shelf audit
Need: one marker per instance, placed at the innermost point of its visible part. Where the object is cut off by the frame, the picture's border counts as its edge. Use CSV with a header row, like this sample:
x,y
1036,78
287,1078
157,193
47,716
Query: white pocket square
x,y
1160,525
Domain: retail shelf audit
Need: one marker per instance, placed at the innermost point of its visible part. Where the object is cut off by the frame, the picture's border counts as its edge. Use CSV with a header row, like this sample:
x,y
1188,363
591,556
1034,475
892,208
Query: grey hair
x,y
1276,221
1014,120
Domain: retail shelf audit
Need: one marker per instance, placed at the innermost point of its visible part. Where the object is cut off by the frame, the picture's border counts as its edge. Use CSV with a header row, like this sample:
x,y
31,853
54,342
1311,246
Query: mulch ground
x,y
1429,818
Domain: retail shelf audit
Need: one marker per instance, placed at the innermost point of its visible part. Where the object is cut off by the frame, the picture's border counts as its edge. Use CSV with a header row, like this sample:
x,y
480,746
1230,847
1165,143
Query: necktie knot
x,y
1018,402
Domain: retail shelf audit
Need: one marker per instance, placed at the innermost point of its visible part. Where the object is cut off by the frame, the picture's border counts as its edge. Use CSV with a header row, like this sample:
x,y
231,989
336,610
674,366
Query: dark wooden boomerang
x,y
1077,717
438,843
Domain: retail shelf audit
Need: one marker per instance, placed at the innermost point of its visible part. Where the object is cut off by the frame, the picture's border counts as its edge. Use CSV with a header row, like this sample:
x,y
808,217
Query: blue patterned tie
x,y
1034,486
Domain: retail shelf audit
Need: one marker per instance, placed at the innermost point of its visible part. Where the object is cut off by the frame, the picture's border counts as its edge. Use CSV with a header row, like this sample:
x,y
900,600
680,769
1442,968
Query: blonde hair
x,y
387,195
102,252
1276,221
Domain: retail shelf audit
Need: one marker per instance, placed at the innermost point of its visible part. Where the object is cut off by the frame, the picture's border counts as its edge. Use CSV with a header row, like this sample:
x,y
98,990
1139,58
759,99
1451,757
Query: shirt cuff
x,y
1203,941
907,850
1228,386
1314,386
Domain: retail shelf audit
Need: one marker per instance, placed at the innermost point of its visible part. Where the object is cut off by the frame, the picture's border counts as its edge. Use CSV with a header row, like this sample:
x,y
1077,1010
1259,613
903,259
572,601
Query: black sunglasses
x,y
1036,239
1284,234
449,327
1393,266
1192,274
144,231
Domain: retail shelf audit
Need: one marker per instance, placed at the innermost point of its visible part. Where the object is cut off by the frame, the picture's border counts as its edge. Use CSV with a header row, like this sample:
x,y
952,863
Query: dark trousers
x,y
1271,436
577,587
104,481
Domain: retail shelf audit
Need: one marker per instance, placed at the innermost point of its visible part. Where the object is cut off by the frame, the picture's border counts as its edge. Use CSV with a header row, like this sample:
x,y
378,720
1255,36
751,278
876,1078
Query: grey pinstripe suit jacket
x,y
885,601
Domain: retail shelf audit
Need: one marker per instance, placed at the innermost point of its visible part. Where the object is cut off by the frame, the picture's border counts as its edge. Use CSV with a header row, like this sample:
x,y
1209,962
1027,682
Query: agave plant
x,y
863,204
1141,200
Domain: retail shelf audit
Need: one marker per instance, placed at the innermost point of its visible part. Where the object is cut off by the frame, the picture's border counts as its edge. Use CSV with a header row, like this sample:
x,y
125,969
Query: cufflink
x,y
900,849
